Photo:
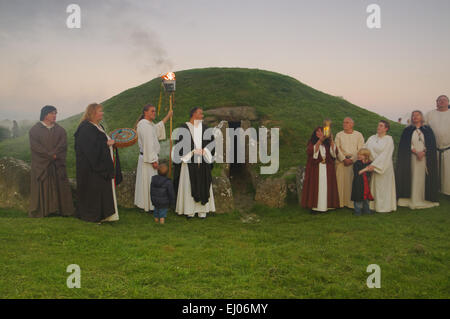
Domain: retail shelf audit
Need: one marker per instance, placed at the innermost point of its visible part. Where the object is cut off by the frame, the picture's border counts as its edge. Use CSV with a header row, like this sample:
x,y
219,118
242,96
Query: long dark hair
x,y
313,140
192,111
144,109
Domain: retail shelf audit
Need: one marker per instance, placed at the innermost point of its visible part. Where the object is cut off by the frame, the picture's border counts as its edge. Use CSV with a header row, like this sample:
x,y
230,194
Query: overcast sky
x,y
325,44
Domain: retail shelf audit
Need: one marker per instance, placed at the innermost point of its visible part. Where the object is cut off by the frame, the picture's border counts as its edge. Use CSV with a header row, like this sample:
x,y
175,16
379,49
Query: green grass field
x,y
287,253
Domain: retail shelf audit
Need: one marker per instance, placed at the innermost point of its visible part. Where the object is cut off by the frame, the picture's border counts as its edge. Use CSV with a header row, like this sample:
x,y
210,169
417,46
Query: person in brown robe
x,y
320,166
50,192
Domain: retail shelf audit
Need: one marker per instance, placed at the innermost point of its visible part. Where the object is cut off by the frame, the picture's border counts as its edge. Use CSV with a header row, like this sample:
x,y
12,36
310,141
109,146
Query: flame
x,y
168,76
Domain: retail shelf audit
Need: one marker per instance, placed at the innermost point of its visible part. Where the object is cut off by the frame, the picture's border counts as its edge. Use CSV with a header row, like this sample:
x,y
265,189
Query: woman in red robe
x,y
320,191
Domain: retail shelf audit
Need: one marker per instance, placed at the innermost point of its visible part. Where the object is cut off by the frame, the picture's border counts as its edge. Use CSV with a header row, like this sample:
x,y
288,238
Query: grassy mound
x,y
281,101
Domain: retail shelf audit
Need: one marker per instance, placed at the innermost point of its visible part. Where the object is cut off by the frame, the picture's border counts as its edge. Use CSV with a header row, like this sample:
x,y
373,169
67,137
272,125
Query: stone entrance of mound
x,y
232,117
235,117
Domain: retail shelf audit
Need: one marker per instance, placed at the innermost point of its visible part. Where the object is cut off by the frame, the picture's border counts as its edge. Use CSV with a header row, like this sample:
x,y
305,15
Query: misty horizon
x,y
122,44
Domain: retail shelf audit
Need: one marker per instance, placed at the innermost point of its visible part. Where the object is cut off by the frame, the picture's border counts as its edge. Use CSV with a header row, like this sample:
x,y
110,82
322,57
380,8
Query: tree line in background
x,y
12,129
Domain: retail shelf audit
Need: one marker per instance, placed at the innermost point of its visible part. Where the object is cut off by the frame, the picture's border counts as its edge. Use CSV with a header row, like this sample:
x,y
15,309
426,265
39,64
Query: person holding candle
x,y
320,191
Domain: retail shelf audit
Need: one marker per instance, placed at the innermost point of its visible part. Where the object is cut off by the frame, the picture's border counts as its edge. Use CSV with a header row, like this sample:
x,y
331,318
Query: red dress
x,y
310,190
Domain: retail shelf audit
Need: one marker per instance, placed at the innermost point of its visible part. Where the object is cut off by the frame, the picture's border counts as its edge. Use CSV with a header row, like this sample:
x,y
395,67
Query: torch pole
x,y
170,136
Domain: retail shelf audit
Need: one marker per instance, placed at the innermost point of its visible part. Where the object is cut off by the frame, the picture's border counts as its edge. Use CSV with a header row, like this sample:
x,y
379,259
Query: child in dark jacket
x,y
361,181
162,193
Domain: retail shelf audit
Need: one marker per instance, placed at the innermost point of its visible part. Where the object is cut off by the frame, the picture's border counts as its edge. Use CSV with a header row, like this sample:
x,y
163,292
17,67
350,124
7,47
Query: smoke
x,y
43,62
149,52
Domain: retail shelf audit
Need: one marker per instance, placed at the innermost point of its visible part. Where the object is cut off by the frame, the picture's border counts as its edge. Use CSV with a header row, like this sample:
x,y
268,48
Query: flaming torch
x,y
168,80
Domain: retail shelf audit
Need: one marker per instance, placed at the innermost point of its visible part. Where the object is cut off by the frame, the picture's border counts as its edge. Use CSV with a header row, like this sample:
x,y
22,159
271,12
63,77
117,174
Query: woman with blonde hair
x,y
361,194
98,168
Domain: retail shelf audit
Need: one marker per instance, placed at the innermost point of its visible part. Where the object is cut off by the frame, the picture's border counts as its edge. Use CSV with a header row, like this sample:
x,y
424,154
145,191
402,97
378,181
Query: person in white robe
x,y
382,185
439,121
185,203
348,142
149,135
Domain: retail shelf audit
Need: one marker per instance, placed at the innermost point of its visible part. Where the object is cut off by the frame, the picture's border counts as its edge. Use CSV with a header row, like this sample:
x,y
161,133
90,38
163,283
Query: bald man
x,y
349,142
439,121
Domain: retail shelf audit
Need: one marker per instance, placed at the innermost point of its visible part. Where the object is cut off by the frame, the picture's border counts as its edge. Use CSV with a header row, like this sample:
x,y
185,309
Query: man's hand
x,y
198,152
110,142
370,168
169,114
54,156
155,165
420,155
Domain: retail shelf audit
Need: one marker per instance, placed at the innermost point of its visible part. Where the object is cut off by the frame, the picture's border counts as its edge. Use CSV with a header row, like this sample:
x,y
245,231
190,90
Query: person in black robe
x,y
405,156
95,169
200,178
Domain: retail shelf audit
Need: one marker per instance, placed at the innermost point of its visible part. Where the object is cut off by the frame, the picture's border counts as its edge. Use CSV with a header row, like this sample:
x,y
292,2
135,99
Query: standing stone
x,y
125,190
271,192
15,179
300,178
223,195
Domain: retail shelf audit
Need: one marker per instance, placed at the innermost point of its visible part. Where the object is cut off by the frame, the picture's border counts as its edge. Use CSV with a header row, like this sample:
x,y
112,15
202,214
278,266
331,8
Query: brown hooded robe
x,y
50,189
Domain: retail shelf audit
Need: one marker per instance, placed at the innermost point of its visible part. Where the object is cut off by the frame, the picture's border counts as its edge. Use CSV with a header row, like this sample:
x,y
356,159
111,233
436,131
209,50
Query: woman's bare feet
x,y
161,221
156,220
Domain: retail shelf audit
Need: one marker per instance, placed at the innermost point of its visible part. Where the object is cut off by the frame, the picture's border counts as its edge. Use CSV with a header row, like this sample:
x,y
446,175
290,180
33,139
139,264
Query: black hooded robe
x,y
403,171
199,175
95,170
